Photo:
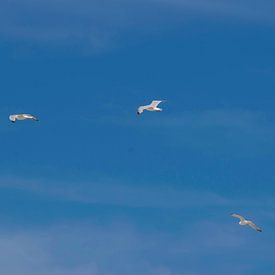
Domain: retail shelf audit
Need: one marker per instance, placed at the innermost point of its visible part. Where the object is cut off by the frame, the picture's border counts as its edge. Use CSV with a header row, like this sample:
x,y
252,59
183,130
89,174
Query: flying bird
x,y
14,118
243,221
153,107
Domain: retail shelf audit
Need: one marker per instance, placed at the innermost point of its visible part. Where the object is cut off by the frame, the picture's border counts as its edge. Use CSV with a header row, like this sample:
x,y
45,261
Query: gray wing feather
x,y
238,217
254,226
155,103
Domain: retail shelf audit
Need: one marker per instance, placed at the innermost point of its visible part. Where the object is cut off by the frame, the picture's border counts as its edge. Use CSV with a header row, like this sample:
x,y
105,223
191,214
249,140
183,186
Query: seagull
x,y
243,221
153,107
13,118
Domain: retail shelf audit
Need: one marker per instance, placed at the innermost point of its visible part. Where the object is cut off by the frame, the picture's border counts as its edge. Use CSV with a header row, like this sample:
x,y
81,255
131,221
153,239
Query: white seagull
x,y
243,221
153,107
14,118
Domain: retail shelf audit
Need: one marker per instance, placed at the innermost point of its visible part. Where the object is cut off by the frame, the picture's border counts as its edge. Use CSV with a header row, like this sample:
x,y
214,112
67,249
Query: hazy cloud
x,y
239,132
121,249
244,9
110,192
98,25
216,131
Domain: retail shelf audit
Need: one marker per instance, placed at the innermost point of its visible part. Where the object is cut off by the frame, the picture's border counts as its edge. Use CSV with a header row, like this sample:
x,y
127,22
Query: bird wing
x,y
155,103
21,116
238,217
254,226
12,117
141,109
27,116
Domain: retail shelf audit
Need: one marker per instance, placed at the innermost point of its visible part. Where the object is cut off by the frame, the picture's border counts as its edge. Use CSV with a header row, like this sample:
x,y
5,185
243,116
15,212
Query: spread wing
x,y
12,118
155,103
141,109
29,116
238,217
254,226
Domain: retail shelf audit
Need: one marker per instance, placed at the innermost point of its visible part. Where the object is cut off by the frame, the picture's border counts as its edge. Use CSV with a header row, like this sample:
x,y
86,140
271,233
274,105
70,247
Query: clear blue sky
x,y
94,189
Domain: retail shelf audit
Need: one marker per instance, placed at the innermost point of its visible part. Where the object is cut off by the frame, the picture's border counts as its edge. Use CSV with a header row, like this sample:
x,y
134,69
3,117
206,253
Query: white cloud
x,y
110,192
98,25
231,132
239,133
244,9
84,249
115,249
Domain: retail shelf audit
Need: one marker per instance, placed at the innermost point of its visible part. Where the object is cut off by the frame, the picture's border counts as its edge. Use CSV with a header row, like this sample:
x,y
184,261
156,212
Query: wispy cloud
x,y
98,25
121,249
81,249
110,192
234,132
121,193
225,132
249,10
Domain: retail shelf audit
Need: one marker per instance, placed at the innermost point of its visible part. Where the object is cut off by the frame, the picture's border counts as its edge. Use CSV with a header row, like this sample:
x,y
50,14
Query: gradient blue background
x,y
93,189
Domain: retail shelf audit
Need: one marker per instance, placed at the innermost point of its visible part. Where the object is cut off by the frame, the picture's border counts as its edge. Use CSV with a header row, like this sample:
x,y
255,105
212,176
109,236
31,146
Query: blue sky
x,y
92,189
